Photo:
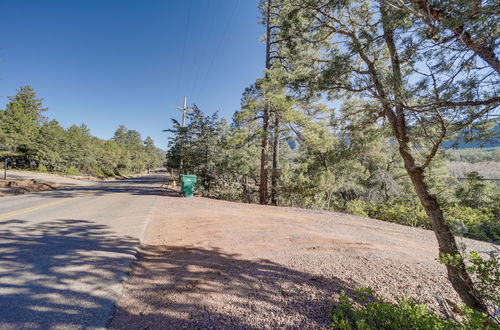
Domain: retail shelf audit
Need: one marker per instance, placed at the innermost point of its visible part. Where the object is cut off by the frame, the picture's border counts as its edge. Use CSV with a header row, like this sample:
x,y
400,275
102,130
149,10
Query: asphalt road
x,y
64,253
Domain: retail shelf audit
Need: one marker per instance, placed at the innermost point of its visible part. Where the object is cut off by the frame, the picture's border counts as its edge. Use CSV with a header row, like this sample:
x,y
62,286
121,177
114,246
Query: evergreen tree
x,y
20,124
422,91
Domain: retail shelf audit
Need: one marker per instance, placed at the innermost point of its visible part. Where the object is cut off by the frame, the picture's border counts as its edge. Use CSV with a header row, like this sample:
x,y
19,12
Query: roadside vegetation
x,y
29,140
360,174
359,101
356,111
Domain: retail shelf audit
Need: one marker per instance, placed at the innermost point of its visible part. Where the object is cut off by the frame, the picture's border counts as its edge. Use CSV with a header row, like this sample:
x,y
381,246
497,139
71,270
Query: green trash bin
x,y
187,184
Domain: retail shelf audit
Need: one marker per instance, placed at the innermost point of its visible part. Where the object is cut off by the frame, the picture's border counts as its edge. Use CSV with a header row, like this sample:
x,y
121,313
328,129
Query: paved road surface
x,y
63,253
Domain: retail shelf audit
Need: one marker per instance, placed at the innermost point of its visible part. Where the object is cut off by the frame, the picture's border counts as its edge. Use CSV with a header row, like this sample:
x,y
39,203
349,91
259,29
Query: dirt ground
x,y
22,182
17,187
215,264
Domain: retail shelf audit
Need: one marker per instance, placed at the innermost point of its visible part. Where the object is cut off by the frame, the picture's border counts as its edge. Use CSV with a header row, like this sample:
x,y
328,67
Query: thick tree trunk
x,y
457,274
276,151
263,194
263,191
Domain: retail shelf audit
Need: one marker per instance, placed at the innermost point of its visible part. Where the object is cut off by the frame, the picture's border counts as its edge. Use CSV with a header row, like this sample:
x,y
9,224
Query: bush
x,y
485,272
71,171
474,223
366,311
356,207
399,211
42,168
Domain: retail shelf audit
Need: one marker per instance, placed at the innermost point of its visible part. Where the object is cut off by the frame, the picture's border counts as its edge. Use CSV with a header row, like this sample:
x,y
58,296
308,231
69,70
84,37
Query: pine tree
x,y
424,92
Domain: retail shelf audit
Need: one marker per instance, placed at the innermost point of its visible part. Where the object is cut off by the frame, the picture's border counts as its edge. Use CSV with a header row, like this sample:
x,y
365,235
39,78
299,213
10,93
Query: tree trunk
x,y
440,15
264,159
457,274
181,165
263,191
276,151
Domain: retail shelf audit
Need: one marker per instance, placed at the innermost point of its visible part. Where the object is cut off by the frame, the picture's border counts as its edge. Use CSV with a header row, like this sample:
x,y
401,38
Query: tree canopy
x,y
30,140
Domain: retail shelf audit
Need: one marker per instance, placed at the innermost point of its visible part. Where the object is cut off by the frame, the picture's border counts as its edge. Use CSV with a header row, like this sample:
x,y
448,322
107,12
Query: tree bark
x,y
457,274
264,159
263,191
440,15
276,151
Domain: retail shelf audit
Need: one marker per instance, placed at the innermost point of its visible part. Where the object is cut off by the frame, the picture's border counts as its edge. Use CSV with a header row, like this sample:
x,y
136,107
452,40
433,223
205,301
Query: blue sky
x,y
111,62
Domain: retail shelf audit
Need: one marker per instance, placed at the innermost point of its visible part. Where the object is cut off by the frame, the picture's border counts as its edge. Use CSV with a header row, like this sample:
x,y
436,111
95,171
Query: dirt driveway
x,y
207,263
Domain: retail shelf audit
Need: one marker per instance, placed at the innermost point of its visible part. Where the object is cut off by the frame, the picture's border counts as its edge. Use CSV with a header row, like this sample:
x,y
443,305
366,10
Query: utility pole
x,y
184,109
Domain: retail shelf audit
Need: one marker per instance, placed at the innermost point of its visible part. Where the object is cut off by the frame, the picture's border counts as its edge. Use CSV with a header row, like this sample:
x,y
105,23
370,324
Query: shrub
x,y
356,207
71,171
366,311
399,211
485,272
42,168
487,275
476,223
473,223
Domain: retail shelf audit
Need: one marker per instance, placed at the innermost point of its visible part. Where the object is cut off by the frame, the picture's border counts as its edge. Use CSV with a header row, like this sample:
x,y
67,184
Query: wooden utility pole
x,y
263,194
184,109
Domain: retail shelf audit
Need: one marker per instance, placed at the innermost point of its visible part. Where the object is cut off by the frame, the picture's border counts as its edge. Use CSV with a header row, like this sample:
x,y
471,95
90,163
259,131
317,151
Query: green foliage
x,y
476,209
485,272
404,212
366,311
475,192
358,173
356,207
71,171
19,124
474,155
474,223
31,141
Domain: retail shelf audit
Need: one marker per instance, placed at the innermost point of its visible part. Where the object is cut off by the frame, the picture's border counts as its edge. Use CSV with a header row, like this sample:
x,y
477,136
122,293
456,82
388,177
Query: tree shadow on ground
x,y
188,287
60,273
142,186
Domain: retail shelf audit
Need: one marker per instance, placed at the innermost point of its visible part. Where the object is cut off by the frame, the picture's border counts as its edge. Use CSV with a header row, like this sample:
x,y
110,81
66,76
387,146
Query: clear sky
x,y
111,62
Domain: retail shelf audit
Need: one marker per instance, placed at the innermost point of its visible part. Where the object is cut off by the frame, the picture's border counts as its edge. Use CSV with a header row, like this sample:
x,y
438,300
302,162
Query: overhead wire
x,y
180,78
202,54
226,28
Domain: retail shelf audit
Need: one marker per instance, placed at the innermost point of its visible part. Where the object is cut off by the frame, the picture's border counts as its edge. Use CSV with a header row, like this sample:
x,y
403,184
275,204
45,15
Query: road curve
x,y
64,253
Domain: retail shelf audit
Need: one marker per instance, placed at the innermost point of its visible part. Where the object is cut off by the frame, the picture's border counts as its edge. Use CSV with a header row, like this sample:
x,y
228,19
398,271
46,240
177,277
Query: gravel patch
x,y
215,264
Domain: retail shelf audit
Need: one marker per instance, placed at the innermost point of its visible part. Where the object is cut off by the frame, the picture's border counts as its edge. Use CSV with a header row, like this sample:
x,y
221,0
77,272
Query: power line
x,y
201,55
186,30
218,47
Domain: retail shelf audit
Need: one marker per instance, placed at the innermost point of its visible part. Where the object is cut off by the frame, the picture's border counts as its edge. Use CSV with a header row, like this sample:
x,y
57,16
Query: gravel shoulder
x,y
25,182
207,263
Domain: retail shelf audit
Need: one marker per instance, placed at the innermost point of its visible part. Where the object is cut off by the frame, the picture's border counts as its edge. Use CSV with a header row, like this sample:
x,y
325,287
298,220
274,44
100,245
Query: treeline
x,y
368,91
360,174
28,140
473,155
